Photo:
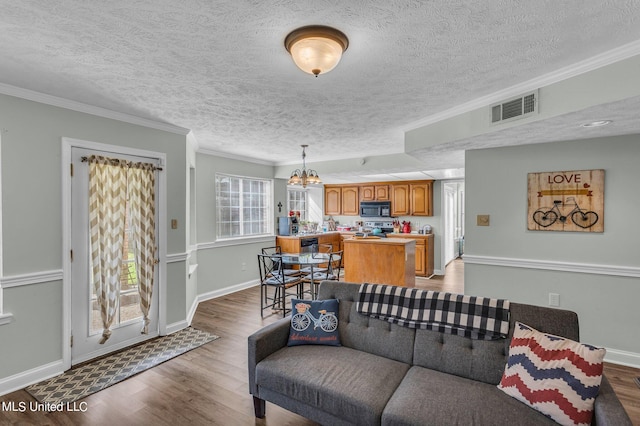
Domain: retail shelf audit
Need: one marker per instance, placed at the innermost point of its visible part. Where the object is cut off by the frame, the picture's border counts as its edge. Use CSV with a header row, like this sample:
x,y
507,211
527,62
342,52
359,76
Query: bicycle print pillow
x,y
314,322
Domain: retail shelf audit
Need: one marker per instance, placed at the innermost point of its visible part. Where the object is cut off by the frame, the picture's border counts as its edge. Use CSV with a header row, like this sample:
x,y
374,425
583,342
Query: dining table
x,y
310,259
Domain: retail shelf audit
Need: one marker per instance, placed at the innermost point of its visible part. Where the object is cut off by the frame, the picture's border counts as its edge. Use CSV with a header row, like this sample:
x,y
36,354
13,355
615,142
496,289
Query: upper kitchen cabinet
x,y
350,202
332,200
420,199
341,200
400,205
374,193
408,198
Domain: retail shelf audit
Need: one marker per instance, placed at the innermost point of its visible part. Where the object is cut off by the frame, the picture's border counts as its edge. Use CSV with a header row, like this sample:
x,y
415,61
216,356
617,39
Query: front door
x,y
86,320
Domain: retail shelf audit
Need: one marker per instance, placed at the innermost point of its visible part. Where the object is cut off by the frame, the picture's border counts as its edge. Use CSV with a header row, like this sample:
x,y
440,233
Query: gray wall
x,y
223,266
32,219
596,274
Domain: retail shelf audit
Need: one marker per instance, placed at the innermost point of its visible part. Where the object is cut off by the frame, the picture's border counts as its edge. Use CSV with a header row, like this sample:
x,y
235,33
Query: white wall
x,y
596,274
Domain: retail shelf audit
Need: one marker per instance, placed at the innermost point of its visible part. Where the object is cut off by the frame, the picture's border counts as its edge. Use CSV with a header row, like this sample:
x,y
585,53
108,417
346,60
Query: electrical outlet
x,y
554,299
244,266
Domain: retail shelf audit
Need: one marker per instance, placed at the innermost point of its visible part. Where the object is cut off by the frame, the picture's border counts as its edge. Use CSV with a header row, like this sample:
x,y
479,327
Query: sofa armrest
x,y
263,343
607,408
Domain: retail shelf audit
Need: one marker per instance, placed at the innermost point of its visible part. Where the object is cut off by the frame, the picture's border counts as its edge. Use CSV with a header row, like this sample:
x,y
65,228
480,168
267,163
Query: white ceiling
x,y
220,69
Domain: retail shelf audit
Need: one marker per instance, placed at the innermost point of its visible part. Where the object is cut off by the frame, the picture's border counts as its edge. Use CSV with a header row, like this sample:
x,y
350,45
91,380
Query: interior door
x,y
86,324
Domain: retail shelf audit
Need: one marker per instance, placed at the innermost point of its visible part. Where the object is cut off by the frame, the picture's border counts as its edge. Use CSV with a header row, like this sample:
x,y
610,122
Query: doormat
x,y
99,374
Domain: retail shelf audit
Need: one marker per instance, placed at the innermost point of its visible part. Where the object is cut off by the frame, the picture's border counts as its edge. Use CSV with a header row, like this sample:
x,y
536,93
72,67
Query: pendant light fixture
x,y
304,177
316,49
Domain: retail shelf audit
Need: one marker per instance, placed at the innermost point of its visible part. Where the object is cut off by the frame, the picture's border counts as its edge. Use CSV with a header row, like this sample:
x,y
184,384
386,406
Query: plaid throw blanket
x,y
474,317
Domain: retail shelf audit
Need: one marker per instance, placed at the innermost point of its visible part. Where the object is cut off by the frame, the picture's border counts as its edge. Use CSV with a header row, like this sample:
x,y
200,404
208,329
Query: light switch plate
x,y
482,220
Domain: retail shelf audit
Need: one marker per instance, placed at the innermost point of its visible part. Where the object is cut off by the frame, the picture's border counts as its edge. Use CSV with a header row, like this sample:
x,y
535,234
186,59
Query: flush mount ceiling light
x,y
316,49
304,177
598,123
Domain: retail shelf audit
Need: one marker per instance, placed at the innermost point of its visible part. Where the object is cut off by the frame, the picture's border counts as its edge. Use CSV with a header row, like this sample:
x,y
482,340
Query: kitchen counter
x,y
380,260
293,243
314,235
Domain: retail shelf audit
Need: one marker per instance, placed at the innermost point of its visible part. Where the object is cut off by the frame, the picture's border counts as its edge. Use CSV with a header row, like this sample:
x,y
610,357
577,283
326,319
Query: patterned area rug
x,y
104,372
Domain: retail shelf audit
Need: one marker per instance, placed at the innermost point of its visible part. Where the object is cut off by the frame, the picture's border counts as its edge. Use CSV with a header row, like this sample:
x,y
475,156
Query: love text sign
x,y
566,201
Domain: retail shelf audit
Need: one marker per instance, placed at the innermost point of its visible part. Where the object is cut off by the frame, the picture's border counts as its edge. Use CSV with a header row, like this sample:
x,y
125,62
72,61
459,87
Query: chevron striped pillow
x,y
556,376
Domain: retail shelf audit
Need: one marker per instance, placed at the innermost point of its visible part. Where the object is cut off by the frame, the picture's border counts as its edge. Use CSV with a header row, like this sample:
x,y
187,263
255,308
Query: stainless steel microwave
x,y
375,208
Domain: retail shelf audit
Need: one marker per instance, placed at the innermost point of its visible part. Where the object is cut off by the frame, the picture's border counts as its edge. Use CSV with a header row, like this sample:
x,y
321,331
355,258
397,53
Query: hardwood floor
x,y
208,386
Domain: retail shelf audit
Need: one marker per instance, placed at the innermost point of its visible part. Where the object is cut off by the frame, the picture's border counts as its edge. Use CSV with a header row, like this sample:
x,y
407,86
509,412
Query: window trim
x,y
270,223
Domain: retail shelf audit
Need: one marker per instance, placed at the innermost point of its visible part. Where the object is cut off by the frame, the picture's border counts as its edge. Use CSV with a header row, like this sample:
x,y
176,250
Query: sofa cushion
x,y
346,383
314,322
482,360
554,375
431,397
367,334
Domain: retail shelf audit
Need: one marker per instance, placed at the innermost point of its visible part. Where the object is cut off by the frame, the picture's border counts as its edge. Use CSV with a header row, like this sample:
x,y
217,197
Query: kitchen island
x,y
380,261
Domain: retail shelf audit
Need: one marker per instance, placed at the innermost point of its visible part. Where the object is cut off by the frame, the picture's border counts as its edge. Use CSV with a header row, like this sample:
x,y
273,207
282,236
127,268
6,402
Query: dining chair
x,y
331,271
278,250
272,276
320,248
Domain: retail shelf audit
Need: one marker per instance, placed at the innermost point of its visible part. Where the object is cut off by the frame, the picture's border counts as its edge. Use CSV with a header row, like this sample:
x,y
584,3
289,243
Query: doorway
x,y
132,304
453,221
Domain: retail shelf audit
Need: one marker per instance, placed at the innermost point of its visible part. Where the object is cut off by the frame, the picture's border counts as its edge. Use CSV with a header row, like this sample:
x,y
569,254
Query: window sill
x,y
5,319
237,241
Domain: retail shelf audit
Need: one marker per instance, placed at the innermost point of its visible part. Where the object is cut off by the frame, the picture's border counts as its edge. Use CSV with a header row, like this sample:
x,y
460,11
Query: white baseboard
x,y
227,290
629,359
177,326
29,377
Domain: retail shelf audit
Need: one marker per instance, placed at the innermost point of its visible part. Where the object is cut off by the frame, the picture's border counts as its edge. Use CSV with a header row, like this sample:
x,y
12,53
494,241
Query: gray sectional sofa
x,y
385,374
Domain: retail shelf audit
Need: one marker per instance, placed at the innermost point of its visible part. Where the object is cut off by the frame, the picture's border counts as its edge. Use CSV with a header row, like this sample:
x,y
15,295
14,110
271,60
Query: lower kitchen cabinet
x,y
424,252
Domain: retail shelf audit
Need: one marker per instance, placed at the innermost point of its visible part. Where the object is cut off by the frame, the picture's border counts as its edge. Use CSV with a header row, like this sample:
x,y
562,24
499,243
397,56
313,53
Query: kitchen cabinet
x,y
332,200
374,193
400,200
291,243
383,261
424,252
420,199
408,198
350,202
341,200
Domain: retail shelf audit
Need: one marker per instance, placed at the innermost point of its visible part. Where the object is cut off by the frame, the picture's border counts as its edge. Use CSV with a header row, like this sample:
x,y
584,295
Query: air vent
x,y
514,109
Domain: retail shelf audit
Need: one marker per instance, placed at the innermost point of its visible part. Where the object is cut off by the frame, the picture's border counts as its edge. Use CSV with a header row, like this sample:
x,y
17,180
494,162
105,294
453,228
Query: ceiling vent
x,y
514,109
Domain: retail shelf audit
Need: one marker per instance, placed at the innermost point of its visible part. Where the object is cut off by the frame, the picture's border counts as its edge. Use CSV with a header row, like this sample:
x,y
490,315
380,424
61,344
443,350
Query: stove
x,y
386,226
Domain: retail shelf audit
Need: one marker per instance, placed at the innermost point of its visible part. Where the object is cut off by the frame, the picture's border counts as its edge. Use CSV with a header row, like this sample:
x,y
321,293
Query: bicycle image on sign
x,y
566,201
546,216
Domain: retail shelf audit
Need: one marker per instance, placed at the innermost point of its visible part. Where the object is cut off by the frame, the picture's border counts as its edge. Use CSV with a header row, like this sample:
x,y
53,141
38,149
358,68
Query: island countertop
x,y
380,260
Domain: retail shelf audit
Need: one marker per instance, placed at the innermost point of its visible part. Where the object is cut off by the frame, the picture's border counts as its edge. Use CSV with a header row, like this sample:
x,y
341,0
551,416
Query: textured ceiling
x,y
220,69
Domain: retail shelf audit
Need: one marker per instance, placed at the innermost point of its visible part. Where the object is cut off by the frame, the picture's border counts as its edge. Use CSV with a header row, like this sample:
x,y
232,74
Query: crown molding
x,y
607,58
207,151
43,98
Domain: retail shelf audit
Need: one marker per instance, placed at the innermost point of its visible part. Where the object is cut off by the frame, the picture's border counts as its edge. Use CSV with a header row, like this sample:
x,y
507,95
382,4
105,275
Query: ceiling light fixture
x,y
316,49
598,123
304,177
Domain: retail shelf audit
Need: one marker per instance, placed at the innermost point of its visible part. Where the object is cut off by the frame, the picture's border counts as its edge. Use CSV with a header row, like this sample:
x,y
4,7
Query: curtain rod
x,y
116,162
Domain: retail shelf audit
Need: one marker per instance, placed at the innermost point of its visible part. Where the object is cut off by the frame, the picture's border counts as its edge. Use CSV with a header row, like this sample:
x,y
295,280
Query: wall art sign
x,y
566,201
